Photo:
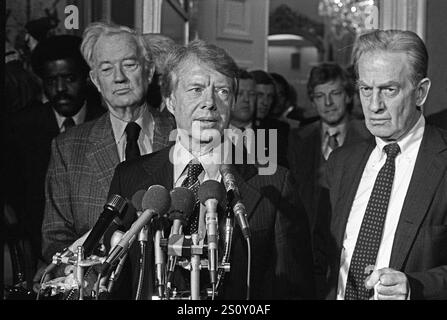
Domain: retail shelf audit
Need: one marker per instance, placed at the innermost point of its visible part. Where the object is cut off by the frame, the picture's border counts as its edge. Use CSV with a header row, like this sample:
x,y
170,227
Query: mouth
x,y
207,122
378,121
121,91
63,101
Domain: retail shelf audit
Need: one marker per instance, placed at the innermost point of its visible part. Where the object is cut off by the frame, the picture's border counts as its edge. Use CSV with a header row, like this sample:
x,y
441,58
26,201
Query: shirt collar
x,y
409,143
78,118
340,129
145,121
209,161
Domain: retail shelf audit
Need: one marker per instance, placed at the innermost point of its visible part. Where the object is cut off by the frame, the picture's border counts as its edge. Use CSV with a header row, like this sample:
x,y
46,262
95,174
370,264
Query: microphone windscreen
x,y
182,203
156,198
211,189
137,200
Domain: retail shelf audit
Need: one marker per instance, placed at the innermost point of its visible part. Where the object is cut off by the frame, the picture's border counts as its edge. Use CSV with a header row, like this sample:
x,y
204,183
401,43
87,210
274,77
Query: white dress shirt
x,y
327,131
145,139
210,162
78,118
405,161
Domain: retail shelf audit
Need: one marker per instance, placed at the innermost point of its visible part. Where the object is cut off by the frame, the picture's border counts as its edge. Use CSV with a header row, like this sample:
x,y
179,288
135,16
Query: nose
x,y
118,75
376,102
61,86
328,100
209,100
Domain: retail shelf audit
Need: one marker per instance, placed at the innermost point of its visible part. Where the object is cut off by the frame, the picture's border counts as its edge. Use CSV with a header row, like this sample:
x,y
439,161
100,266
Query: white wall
x,y
242,34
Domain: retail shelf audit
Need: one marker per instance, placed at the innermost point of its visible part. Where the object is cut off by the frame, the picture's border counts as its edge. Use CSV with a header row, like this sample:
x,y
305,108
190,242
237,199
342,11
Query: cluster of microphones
x,y
155,207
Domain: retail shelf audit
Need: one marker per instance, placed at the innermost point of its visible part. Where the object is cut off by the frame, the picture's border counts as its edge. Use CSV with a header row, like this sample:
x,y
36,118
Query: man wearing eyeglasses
x,y
330,92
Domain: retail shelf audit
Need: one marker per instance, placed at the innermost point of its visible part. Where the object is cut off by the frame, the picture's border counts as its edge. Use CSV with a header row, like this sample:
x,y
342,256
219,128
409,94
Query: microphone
x,y
210,194
113,208
137,200
235,198
182,206
156,201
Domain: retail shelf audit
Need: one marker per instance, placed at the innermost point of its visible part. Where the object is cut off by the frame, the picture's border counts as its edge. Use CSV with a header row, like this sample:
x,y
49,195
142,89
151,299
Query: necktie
x,y
332,142
68,123
368,241
132,133
192,182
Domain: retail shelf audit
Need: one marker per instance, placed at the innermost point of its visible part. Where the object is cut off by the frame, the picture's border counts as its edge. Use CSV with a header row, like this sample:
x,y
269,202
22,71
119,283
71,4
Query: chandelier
x,y
349,15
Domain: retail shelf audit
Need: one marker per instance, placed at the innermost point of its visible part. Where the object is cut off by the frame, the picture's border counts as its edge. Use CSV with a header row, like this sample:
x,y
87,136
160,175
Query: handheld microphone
x,y
156,201
114,207
210,194
235,198
137,200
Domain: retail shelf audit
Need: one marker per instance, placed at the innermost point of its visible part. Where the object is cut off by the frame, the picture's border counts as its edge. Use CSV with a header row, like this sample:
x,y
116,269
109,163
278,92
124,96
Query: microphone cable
x,y
248,266
40,284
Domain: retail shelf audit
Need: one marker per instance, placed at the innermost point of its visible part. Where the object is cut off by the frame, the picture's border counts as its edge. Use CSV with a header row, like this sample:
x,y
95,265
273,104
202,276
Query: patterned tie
x,y
132,133
370,235
68,123
332,142
192,182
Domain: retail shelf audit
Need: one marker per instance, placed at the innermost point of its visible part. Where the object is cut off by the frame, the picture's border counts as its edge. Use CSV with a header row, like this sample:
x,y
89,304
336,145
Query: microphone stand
x,y
159,262
195,270
142,238
80,272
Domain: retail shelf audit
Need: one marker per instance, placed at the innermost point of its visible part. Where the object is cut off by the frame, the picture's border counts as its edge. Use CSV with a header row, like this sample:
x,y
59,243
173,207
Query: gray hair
x,y
395,41
96,30
211,55
159,45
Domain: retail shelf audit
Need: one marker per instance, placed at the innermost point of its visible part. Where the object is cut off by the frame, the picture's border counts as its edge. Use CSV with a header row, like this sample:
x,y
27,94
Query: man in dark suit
x,y
264,120
199,87
438,119
64,72
84,158
330,92
388,227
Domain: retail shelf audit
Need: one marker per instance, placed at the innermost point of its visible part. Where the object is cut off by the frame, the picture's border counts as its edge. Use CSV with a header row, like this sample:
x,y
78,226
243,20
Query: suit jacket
x,y
419,248
82,163
305,159
281,254
438,119
29,139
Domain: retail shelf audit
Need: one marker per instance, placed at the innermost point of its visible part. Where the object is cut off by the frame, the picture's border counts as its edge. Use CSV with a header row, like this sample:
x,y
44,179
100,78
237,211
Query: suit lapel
x,y
162,130
351,174
430,166
103,153
160,169
250,195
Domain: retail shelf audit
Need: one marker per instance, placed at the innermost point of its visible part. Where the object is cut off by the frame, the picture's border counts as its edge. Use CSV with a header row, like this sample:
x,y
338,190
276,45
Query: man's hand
x,y
388,284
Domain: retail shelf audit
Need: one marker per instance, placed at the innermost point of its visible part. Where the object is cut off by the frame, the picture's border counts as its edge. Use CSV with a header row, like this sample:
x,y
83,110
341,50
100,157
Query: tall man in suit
x,y
84,158
200,88
389,209
59,63
330,91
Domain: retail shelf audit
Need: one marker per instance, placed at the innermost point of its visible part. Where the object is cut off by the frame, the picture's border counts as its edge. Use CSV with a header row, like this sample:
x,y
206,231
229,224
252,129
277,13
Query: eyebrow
x,y
132,57
383,85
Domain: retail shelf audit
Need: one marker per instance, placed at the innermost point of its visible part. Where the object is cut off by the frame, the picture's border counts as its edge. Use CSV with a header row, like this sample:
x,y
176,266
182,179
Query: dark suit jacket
x,y
281,254
281,139
82,163
438,119
419,248
29,138
305,159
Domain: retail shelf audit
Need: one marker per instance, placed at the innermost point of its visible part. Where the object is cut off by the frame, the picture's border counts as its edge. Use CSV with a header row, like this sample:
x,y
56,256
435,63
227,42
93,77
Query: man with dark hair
x,y
58,62
200,87
387,235
265,98
309,147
